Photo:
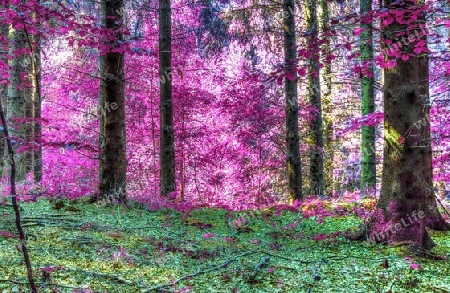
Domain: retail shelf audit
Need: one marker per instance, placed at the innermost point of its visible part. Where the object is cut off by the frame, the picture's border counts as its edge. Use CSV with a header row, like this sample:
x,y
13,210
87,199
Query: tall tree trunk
x,y
36,103
3,53
316,156
17,98
294,170
167,149
101,111
327,102
113,162
102,103
407,203
368,159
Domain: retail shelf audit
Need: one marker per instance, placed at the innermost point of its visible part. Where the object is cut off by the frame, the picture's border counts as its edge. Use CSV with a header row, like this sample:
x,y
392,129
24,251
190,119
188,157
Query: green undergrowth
x,y
80,247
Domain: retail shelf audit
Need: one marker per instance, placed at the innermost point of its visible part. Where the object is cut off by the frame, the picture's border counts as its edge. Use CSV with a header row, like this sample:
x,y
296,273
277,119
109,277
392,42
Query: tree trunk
x,y
17,99
407,203
3,53
102,103
292,137
113,163
316,156
368,159
327,99
36,105
167,150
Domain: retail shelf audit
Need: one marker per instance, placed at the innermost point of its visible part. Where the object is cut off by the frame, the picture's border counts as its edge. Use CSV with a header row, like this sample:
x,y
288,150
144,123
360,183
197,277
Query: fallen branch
x,y
108,276
43,216
287,258
224,264
13,281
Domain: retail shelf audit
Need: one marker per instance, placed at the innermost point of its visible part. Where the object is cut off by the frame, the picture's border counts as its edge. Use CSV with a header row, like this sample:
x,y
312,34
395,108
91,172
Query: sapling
x,y
14,201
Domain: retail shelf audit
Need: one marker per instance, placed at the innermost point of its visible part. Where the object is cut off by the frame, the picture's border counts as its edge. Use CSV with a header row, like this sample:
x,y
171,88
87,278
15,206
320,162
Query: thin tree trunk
x,y
316,156
182,160
327,101
167,150
113,163
102,103
368,159
3,54
17,98
22,238
36,105
407,202
292,137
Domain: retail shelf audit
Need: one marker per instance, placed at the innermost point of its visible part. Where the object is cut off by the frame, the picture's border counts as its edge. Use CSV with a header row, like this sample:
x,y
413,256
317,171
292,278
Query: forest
x,y
224,146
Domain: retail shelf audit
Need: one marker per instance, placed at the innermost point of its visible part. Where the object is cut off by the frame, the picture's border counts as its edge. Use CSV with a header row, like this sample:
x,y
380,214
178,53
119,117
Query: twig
x,y
389,289
233,233
439,201
263,264
224,264
316,276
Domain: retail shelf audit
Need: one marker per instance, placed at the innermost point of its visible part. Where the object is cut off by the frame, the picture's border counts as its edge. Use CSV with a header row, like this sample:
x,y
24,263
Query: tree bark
x,y
368,155
102,103
17,98
316,129
292,138
167,149
36,104
327,103
3,53
113,163
407,203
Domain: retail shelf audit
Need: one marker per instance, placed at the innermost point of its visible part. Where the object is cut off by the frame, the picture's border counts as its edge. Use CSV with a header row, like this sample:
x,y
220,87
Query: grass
x,y
80,247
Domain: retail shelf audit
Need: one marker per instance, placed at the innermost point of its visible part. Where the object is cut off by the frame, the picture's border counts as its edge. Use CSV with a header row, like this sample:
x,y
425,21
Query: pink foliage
x,y
229,110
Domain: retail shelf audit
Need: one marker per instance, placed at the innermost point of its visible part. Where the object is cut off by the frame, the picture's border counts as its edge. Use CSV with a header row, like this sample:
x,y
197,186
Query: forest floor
x,y
80,247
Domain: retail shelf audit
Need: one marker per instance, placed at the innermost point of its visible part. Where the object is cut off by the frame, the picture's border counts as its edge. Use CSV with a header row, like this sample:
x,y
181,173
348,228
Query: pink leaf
x,y
207,235
388,21
21,149
415,266
301,72
280,80
358,31
418,50
228,239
